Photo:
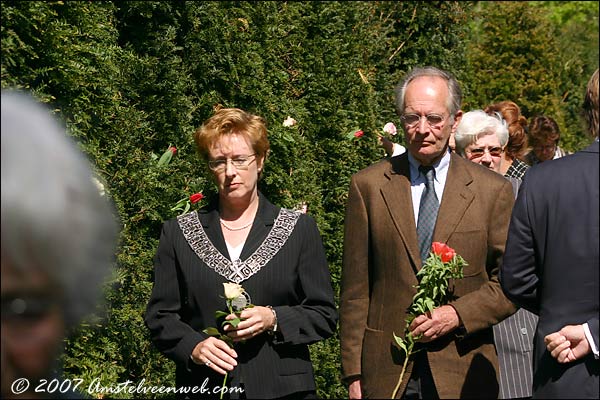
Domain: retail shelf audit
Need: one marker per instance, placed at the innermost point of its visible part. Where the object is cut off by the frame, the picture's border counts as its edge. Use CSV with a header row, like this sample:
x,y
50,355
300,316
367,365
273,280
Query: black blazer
x,y
551,264
296,282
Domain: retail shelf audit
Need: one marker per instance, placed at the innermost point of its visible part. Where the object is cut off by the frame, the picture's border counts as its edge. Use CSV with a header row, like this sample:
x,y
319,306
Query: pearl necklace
x,y
241,228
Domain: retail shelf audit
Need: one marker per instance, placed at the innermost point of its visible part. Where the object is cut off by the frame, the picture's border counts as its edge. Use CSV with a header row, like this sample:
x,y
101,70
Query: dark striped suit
x,y
514,343
296,282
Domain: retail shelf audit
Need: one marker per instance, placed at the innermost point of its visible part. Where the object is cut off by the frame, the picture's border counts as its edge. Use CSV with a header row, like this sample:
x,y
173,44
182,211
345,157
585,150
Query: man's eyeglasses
x,y
479,152
240,162
434,120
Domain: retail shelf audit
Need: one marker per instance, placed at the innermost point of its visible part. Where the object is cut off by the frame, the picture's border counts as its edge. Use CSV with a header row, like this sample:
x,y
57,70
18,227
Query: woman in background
x,y
483,138
516,148
544,136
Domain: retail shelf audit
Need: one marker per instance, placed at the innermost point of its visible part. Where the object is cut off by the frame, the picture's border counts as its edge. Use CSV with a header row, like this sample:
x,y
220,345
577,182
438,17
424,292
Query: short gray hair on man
x,y
477,123
54,219
454,100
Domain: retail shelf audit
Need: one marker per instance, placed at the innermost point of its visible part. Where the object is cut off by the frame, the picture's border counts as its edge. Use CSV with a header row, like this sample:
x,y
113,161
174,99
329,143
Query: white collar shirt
x,y
417,180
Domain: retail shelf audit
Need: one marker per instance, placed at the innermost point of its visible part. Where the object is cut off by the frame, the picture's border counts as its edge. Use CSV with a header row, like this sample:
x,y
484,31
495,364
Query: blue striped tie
x,y
428,210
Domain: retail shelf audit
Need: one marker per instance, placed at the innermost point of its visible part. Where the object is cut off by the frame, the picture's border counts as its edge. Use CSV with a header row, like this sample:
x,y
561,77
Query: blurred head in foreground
x,y
58,240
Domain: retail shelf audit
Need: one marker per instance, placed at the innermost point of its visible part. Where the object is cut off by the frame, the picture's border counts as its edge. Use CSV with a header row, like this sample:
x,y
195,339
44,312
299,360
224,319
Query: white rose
x,y
233,290
390,128
289,121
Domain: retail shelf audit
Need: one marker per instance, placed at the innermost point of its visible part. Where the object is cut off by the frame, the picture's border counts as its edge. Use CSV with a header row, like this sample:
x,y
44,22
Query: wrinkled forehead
x,y
427,93
486,138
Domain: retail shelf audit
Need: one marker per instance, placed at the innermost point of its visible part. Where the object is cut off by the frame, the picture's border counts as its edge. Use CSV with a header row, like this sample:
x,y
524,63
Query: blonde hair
x,y
230,121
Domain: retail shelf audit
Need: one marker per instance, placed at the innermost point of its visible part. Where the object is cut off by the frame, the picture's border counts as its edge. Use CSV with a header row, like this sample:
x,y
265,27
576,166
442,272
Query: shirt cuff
x,y
590,339
398,149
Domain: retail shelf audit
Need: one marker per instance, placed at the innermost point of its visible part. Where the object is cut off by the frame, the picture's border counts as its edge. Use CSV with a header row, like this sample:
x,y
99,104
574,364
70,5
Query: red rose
x,y
358,133
173,149
445,252
196,197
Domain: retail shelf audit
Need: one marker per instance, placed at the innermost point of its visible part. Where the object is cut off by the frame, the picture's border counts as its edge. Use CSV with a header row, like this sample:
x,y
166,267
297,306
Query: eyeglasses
x,y
549,147
479,152
241,163
32,307
434,120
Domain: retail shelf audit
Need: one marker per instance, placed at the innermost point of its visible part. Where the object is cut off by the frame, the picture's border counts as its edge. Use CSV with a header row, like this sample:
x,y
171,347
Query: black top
x,y
295,281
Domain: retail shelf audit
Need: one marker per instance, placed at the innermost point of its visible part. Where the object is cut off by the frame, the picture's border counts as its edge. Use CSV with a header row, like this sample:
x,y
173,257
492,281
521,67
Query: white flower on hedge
x,y
289,121
232,290
390,128
99,185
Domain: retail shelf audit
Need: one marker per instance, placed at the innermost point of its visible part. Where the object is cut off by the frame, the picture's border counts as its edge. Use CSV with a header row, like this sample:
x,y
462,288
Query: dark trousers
x,y
420,385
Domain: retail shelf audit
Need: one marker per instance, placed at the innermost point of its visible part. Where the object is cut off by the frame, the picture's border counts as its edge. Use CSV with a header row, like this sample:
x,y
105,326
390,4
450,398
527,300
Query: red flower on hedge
x,y
173,149
445,252
358,133
196,197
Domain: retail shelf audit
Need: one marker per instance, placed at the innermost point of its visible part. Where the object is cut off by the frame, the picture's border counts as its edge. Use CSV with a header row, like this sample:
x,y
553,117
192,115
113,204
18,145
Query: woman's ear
x,y
260,161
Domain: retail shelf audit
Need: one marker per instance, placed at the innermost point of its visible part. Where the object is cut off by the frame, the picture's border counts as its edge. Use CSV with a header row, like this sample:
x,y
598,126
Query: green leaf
x,y
234,322
220,314
212,331
403,344
165,158
429,304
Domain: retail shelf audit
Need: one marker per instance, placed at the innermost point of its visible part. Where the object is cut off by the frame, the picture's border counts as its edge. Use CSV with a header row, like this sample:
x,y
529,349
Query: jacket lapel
x,y
397,195
456,199
209,218
263,222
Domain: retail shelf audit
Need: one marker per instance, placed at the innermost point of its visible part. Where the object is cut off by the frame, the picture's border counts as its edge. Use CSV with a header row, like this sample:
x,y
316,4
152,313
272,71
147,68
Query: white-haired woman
x,y
58,242
482,138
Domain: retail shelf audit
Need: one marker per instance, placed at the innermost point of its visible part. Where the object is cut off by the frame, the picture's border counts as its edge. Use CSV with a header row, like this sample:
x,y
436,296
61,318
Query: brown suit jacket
x,y
381,258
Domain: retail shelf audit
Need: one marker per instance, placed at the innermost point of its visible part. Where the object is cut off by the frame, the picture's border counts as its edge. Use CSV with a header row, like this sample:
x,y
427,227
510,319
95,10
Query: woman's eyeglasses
x,y
479,152
241,163
548,147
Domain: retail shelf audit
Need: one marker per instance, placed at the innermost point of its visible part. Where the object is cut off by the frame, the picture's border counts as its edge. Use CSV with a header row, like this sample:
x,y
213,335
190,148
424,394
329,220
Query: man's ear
x,y
457,118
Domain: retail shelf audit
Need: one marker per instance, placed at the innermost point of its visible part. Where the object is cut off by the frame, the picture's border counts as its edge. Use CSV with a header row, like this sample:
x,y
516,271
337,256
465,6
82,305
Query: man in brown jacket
x,y
384,247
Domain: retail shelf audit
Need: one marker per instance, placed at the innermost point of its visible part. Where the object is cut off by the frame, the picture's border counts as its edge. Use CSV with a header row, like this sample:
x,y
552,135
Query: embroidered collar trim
x,y
239,270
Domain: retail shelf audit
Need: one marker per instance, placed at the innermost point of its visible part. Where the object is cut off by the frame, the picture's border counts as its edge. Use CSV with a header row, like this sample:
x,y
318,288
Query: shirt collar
x,y
440,167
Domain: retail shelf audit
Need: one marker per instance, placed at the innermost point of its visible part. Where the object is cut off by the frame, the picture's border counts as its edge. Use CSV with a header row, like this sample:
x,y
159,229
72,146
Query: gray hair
x,y
477,123
54,219
454,100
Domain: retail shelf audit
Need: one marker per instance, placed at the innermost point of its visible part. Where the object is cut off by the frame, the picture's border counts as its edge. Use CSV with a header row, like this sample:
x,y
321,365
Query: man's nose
x,y
423,125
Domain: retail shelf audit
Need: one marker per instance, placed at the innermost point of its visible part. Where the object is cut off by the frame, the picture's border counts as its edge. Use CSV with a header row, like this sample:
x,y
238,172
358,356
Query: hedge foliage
x,y
132,78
